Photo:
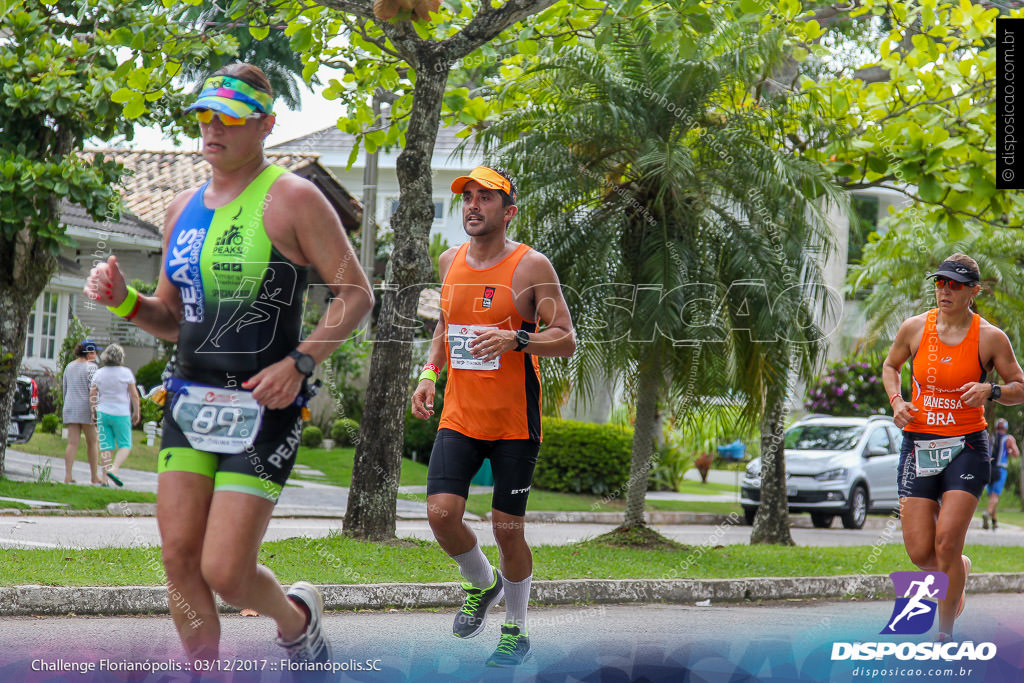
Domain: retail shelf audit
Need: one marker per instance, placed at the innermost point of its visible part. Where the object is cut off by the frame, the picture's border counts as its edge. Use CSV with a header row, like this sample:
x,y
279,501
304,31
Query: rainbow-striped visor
x,y
234,97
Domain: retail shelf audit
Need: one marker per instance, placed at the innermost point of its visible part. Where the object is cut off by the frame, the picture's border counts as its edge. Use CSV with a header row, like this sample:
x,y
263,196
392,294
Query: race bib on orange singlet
x,y
461,358
932,456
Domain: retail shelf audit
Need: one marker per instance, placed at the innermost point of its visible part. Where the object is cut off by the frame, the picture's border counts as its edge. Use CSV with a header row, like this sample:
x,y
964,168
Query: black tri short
x,y
967,472
457,458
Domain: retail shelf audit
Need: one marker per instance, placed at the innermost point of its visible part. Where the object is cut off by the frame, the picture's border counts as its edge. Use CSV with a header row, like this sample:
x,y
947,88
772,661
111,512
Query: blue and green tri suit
x,y
242,311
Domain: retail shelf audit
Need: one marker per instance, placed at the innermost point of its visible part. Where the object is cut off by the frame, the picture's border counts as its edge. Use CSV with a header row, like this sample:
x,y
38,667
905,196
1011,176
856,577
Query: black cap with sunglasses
x,y
954,270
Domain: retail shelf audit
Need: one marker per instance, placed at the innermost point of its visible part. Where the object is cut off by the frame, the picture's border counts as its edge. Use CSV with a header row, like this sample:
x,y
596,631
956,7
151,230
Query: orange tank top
x,y
500,399
938,372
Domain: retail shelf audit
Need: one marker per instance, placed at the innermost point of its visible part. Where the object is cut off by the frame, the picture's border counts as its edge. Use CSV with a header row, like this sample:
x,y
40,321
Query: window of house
x,y
42,327
438,209
863,222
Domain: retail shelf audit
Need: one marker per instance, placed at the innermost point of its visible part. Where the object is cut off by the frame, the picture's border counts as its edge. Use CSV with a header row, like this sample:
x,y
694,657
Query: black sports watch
x,y
996,391
304,362
522,339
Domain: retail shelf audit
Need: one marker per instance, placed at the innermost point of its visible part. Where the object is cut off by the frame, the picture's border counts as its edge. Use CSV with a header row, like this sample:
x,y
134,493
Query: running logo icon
x,y
914,612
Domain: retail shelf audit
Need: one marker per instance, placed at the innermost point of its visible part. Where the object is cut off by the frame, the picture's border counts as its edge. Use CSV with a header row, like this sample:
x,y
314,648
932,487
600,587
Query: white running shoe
x,y
311,646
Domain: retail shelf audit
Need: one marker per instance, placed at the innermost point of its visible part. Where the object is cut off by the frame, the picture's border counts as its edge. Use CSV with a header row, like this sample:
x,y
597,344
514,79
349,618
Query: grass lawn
x,y
1008,511
709,489
80,497
336,464
480,503
342,560
142,457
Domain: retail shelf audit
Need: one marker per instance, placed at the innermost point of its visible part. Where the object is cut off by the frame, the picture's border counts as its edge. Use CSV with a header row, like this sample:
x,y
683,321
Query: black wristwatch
x,y
522,339
304,362
996,391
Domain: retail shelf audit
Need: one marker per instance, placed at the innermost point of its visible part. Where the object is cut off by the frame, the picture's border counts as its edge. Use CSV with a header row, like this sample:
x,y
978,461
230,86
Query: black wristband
x,y
996,392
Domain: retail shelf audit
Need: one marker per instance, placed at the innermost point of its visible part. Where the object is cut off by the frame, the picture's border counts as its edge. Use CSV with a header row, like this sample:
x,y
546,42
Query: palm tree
x,y
282,65
690,247
892,271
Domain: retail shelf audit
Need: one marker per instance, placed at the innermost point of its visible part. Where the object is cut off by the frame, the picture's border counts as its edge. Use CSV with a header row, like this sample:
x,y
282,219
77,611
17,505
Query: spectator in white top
x,y
114,398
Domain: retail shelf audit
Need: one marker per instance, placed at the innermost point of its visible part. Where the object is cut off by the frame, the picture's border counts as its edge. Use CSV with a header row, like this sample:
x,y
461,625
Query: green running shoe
x,y
513,648
471,618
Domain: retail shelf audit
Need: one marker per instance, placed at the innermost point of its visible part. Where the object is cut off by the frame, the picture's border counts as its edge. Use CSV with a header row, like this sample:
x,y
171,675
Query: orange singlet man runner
x,y
496,297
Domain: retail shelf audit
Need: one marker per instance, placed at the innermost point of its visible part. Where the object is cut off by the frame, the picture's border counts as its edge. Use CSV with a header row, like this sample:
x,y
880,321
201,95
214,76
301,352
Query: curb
x,y
32,600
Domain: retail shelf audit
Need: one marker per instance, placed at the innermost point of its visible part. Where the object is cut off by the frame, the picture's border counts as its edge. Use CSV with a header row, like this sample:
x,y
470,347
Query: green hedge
x,y
582,457
420,434
149,411
49,423
149,374
345,432
312,437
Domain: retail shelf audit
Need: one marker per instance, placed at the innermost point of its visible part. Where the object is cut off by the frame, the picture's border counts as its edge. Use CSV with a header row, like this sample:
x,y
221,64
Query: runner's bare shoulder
x,y
444,261
912,327
175,208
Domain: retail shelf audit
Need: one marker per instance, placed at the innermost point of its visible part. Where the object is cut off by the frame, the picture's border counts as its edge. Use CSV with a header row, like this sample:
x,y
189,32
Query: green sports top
x,y
242,299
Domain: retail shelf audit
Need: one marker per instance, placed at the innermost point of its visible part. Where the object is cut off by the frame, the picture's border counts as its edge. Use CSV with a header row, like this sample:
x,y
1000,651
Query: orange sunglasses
x,y
953,285
206,116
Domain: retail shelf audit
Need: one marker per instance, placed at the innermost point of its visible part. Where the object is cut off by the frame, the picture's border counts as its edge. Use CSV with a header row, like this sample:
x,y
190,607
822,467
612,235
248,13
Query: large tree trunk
x,y
25,268
644,432
378,460
772,522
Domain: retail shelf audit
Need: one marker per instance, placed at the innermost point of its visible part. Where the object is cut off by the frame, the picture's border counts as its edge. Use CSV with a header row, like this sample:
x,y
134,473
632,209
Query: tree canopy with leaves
x,y
642,177
70,71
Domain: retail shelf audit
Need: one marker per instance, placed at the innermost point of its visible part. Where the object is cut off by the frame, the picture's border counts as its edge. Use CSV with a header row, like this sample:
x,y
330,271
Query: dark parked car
x,y
24,412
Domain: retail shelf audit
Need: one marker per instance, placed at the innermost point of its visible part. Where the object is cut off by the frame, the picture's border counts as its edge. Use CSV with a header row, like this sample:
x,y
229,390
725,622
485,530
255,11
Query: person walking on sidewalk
x,y
944,461
115,401
496,297
1003,447
237,251
77,414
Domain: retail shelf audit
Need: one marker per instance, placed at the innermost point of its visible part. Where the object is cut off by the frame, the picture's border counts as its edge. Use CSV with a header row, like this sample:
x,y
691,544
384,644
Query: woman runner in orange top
x,y
944,460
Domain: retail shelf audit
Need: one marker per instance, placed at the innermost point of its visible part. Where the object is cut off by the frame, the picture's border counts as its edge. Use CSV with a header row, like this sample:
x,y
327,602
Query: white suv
x,y
842,466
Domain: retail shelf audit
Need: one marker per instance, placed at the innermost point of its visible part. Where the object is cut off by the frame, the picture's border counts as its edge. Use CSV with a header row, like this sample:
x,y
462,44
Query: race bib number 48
x,y
217,420
459,337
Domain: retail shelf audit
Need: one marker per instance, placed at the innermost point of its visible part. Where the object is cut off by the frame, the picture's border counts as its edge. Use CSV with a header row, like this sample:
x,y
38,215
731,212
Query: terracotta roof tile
x,y
155,178
75,216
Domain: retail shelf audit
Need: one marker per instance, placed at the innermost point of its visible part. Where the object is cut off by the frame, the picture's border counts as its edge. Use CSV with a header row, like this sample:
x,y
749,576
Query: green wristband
x,y
428,374
127,305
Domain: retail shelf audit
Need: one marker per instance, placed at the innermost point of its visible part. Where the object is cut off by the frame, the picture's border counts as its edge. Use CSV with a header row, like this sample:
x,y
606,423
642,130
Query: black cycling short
x,y
262,470
969,471
457,458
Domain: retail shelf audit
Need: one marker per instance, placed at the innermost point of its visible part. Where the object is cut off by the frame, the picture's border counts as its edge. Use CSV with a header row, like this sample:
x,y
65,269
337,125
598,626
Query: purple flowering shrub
x,y
849,387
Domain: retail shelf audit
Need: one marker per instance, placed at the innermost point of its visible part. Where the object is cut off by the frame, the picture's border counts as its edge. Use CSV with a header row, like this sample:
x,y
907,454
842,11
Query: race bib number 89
x,y
217,420
459,337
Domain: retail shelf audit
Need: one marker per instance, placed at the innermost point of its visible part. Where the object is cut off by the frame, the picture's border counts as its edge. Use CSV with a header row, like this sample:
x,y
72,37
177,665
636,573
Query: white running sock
x,y
517,598
475,567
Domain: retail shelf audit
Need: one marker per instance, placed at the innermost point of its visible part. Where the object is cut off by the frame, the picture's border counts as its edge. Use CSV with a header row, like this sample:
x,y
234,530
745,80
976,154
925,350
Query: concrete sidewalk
x,y
299,498
304,498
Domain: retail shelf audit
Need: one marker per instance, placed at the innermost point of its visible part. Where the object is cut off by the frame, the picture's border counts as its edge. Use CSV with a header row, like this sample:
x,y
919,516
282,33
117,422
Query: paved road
x,y
780,641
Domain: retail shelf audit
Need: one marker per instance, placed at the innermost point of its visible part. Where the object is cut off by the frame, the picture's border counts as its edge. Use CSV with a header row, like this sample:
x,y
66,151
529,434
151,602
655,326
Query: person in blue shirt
x,y
1003,448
